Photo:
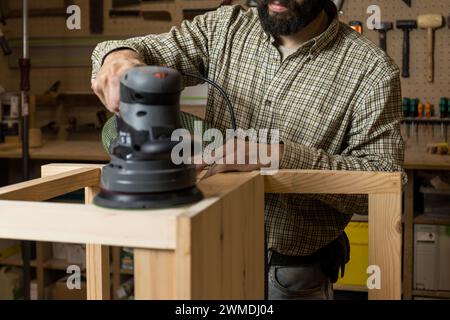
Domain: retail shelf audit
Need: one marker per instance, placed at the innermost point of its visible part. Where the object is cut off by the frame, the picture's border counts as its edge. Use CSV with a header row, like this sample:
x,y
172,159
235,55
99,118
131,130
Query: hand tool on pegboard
x,y
4,45
60,12
406,26
25,66
443,114
405,103
124,3
146,15
430,22
408,2
357,26
131,3
96,16
383,29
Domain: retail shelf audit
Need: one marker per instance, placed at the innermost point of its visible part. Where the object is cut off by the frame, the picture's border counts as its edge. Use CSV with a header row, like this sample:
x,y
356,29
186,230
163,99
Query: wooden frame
x,y
209,250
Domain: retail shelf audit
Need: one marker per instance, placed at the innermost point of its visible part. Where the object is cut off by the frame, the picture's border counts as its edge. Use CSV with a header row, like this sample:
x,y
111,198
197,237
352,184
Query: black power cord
x,y
222,92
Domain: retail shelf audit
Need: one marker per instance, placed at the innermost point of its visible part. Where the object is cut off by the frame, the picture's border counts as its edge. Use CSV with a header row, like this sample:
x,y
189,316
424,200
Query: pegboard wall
x,y
392,10
78,79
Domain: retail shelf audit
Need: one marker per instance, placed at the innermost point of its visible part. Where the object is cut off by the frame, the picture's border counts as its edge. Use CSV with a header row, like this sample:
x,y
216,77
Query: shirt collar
x,y
320,42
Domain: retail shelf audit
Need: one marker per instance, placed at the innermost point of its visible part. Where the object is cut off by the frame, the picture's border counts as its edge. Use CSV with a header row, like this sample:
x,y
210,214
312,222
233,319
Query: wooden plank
x,y
433,219
61,151
78,223
408,241
57,168
432,294
115,271
43,253
332,182
97,272
51,186
385,244
97,262
220,251
154,274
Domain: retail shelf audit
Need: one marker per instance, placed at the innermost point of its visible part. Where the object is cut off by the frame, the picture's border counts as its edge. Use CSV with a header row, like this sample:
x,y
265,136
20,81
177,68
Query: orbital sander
x,y
141,173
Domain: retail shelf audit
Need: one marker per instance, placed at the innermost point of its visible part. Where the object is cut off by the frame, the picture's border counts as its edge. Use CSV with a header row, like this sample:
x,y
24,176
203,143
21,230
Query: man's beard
x,y
295,19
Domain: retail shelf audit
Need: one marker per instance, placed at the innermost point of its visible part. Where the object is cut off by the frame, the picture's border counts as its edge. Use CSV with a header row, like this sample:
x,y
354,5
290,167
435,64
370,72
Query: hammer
x,y
430,22
383,29
406,26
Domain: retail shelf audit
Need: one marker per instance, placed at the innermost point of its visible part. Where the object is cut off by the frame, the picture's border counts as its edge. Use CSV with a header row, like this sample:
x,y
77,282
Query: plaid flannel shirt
x,y
336,103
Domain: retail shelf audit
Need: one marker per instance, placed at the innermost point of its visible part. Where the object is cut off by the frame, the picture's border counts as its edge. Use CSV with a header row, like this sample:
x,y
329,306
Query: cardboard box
x,y
60,291
9,248
76,254
59,251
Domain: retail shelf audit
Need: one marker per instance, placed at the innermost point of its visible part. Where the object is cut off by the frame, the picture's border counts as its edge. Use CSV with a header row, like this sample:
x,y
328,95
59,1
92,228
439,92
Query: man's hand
x,y
107,85
233,161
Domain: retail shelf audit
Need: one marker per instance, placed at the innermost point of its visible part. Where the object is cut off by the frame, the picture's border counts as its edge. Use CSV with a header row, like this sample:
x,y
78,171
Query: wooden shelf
x,y
360,218
56,264
15,261
431,294
343,287
432,219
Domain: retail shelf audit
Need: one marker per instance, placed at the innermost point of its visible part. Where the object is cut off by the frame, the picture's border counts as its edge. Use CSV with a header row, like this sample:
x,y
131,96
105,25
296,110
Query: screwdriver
x,y
406,103
428,116
357,26
414,113
419,116
443,102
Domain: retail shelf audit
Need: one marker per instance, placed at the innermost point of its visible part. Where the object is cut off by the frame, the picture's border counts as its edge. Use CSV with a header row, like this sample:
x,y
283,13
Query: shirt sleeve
x,y
187,48
373,143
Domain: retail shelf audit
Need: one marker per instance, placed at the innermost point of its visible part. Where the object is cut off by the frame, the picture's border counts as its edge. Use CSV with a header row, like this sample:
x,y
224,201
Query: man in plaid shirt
x,y
288,65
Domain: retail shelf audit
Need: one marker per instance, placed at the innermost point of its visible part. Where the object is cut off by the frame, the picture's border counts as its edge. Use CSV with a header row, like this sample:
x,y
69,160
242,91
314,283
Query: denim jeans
x,y
304,282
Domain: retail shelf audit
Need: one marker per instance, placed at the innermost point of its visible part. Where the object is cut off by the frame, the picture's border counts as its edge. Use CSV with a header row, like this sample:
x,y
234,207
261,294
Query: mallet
x,y
383,29
430,22
406,26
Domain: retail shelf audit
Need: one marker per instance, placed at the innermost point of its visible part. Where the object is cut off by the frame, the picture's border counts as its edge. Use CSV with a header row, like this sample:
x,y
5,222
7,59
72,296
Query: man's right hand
x,y
107,85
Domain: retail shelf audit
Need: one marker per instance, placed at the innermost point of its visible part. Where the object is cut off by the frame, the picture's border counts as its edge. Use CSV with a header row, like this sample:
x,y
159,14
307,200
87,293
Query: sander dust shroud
x,y
141,173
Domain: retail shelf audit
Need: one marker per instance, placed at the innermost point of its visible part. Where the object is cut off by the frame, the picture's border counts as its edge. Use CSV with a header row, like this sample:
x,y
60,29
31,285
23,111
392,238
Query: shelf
x,y
432,219
56,264
15,261
432,294
127,271
360,218
344,287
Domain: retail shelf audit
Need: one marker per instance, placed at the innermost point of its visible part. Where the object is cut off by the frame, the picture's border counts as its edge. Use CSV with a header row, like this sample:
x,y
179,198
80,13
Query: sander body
x,y
141,173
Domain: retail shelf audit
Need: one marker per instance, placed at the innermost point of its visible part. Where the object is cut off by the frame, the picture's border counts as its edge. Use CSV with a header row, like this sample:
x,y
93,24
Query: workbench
x,y
59,150
414,160
213,249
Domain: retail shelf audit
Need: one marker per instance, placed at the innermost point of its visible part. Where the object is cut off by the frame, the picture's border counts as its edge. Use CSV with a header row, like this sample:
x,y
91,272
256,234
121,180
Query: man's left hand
x,y
242,161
